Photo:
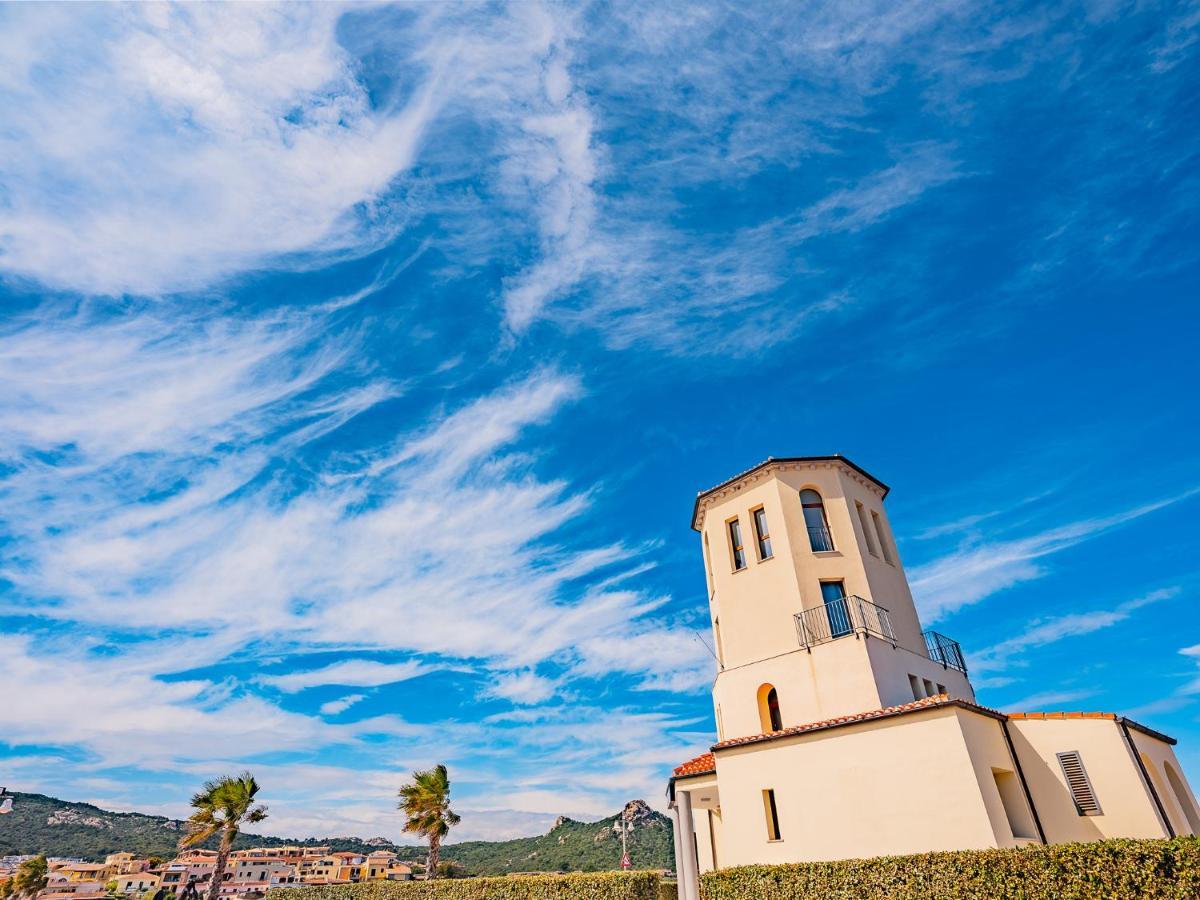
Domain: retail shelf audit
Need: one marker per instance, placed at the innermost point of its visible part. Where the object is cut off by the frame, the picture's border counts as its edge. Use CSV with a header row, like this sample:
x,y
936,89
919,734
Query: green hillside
x,y
574,847
40,824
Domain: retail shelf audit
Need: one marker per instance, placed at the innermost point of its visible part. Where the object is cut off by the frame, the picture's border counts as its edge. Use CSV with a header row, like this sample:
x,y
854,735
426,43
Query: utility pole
x,y
626,864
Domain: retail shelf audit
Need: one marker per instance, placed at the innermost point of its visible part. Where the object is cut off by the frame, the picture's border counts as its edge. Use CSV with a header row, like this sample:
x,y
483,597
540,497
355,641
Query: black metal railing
x,y
819,538
945,651
841,617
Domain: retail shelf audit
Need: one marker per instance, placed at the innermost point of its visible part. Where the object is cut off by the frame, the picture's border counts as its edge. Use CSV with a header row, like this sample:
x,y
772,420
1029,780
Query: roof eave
x,y
775,460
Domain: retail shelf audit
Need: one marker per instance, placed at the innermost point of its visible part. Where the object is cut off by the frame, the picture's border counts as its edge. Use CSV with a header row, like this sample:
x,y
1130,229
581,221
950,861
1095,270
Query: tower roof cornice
x,y
773,463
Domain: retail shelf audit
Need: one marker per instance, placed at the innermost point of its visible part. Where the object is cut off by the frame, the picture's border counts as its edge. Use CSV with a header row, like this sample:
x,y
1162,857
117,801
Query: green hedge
x,y
593,886
1151,869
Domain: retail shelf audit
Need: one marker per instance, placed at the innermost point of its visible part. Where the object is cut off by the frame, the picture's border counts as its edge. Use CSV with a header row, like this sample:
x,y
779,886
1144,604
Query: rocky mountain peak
x,y
637,812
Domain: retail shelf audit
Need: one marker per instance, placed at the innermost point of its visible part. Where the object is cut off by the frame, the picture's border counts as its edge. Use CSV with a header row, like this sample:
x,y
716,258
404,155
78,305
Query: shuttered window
x,y
1079,784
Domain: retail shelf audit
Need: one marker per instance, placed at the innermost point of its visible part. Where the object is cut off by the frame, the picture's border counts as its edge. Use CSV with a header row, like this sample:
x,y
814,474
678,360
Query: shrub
x,y
592,886
1151,869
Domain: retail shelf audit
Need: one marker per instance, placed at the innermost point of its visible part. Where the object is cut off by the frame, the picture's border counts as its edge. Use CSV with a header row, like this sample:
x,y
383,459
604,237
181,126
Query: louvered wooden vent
x,y
1086,803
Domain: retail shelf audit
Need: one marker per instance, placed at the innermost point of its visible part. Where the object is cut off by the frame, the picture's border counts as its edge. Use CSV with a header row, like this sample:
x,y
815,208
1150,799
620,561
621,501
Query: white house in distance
x,y
845,731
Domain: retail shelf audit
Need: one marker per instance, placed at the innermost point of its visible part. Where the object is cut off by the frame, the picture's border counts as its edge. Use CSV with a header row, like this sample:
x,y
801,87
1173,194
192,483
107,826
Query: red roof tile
x,y
870,715
1136,726
701,765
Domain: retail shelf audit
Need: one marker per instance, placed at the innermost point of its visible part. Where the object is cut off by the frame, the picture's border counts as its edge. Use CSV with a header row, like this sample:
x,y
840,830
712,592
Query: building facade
x,y
845,730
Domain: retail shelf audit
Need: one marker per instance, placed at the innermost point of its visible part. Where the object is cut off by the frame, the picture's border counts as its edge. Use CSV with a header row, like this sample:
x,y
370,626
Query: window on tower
x,y
819,537
762,534
735,545
769,717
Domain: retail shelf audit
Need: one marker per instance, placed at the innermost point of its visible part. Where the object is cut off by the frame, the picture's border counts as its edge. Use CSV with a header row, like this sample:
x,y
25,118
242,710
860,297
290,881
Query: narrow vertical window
x,y
735,544
868,536
814,519
769,718
773,710
772,815
762,533
882,535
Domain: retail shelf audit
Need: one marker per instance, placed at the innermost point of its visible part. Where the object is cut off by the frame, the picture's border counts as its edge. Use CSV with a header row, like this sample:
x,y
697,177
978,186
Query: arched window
x,y
768,709
814,518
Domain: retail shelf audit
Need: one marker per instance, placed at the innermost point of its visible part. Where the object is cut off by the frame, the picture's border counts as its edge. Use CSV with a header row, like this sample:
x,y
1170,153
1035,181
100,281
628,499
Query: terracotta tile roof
x,y
1136,726
870,715
701,765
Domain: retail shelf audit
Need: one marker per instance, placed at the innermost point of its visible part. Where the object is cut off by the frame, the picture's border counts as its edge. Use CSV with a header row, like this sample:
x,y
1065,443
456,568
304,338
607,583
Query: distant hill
x,y
40,824
572,846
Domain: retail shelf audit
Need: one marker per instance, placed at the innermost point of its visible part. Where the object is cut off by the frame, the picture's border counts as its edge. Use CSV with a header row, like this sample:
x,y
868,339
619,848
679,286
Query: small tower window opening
x,y
762,534
769,716
882,535
866,528
819,537
735,545
772,815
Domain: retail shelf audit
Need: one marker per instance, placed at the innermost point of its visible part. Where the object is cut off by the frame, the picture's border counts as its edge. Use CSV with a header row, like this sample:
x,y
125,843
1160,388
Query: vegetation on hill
x,y
574,847
40,824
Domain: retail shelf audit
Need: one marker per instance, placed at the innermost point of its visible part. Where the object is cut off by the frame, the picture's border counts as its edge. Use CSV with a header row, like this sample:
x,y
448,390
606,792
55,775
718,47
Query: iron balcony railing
x,y
838,618
945,651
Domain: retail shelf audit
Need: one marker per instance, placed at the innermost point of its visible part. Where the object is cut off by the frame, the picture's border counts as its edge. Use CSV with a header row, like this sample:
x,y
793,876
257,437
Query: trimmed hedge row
x,y
1152,869
593,886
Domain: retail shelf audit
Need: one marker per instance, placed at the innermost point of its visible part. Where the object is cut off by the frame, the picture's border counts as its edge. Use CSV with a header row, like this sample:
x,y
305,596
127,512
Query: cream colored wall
x,y
835,678
704,845
1156,755
1127,808
900,785
988,750
754,606
892,666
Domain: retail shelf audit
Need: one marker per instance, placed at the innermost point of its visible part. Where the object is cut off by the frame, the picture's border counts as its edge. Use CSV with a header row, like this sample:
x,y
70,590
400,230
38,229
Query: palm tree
x,y
426,804
31,876
222,806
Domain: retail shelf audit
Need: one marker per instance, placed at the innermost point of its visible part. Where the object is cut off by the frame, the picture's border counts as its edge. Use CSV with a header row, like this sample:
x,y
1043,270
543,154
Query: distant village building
x,y
249,874
844,730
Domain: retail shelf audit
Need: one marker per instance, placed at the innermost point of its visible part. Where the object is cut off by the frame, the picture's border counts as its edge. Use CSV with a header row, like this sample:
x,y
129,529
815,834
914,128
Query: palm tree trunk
x,y
218,876
431,863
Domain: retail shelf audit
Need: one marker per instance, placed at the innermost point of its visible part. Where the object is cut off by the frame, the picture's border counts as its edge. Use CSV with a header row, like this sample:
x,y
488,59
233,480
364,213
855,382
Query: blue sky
x,y
359,366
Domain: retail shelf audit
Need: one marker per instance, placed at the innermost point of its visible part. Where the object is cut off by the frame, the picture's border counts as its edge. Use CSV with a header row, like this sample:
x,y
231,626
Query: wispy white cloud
x,y
1051,630
980,569
521,687
1047,700
349,673
341,704
153,148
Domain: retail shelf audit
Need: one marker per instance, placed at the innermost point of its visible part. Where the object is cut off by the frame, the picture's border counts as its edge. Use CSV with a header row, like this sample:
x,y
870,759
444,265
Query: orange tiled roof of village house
x,y
706,763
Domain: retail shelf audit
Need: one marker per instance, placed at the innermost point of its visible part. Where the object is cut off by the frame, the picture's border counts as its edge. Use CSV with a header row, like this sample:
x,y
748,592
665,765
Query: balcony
x,y
839,618
945,651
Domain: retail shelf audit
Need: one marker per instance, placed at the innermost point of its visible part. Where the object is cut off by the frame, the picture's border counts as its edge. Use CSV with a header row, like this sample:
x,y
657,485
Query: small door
x,y
834,595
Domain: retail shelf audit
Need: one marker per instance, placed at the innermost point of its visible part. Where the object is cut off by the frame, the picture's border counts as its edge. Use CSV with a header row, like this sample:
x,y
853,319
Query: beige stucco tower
x,y
798,553
846,730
